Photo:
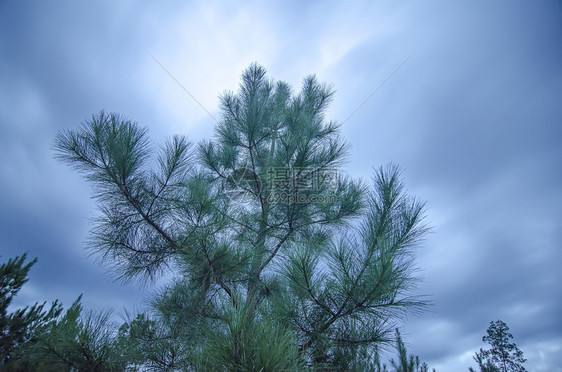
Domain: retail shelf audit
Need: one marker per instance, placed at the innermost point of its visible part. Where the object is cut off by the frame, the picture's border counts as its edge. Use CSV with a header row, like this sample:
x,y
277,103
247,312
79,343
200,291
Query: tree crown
x,y
260,226
503,355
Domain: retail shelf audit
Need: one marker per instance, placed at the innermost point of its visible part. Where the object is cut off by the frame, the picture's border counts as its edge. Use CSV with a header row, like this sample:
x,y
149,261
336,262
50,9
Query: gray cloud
x,y
473,118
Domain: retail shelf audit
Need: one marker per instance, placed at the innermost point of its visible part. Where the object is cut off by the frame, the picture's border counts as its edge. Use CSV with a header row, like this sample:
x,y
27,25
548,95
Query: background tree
x,y
504,355
261,229
404,362
82,342
407,363
19,330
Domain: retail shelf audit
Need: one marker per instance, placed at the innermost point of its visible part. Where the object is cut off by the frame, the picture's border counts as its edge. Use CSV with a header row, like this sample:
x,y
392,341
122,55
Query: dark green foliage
x,y
270,275
504,356
19,330
156,345
80,342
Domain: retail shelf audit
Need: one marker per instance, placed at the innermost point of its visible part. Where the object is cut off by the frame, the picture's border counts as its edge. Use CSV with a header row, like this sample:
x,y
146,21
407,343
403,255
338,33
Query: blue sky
x,y
473,117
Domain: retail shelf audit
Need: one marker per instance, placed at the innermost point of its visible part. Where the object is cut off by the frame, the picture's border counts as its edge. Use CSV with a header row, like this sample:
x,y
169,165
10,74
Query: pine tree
x,y
82,342
504,356
405,363
19,330
281,261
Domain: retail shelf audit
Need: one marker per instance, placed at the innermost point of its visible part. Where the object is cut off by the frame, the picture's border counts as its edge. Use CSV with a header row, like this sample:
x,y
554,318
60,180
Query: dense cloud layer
x,y
473,117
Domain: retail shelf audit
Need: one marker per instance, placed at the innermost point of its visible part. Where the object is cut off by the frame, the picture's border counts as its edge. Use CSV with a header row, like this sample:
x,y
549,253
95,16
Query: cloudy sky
x,y
474,117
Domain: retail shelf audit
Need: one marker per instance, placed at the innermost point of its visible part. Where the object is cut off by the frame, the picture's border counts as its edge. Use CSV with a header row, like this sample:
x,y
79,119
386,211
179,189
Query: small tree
x,y
19,330
281,261
82,342
504,356
404,363
407,363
